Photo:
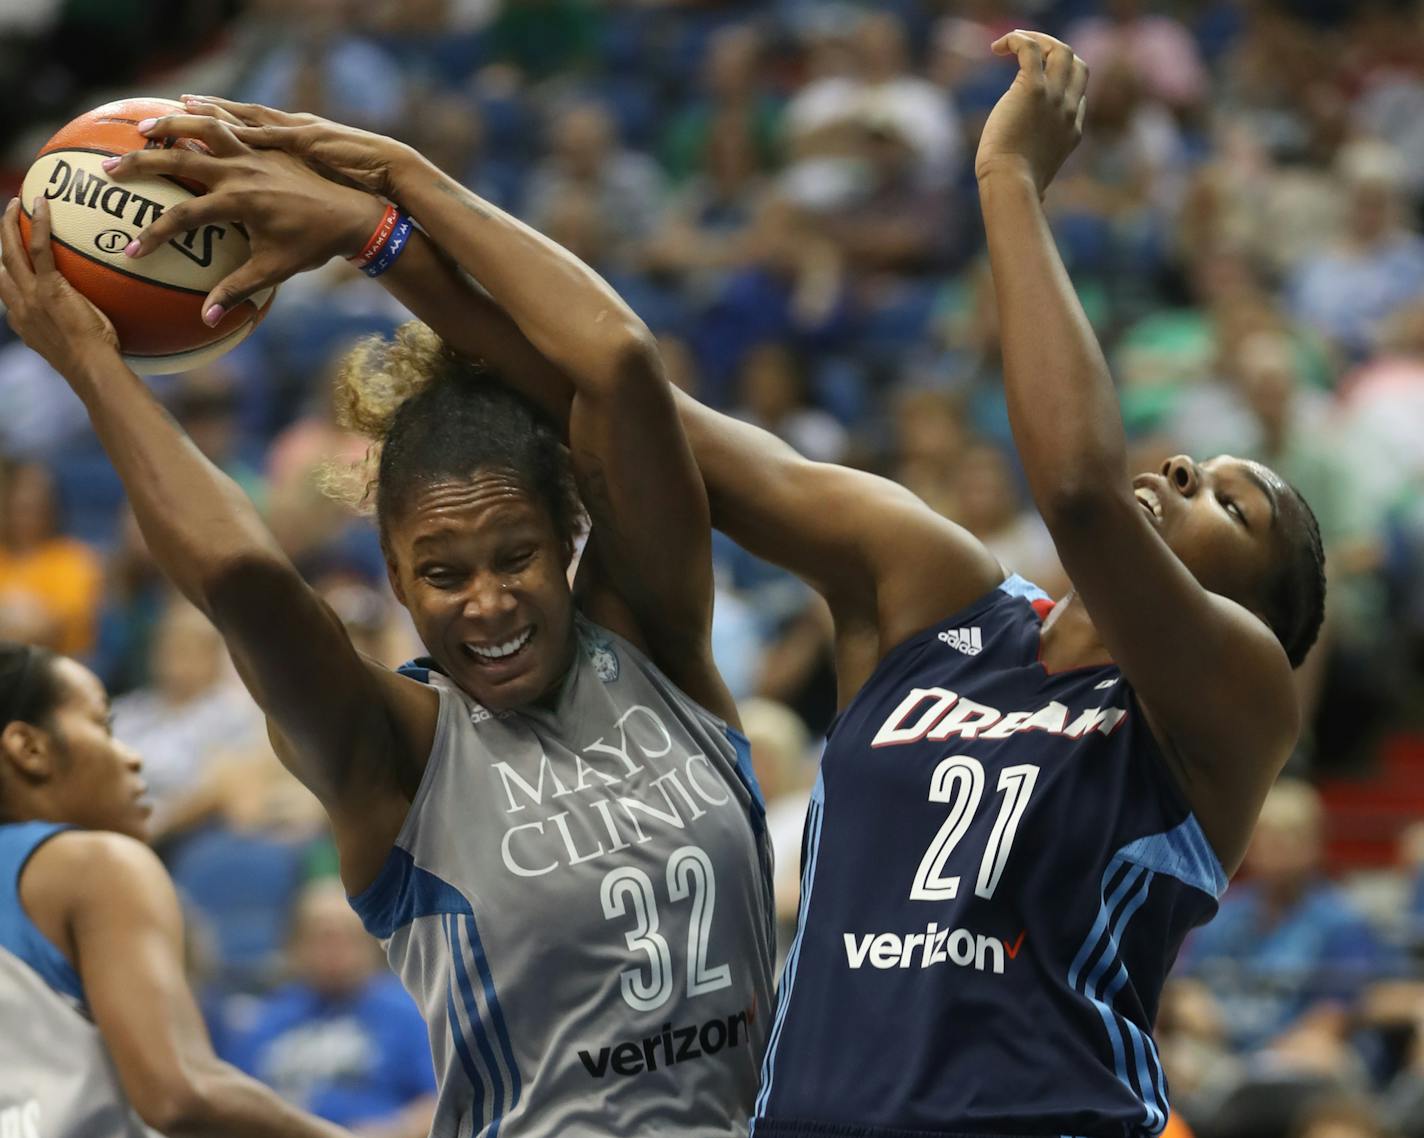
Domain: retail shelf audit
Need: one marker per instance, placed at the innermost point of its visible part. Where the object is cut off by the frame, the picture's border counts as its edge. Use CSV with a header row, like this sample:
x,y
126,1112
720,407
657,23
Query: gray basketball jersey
x,y
56,1077
580,901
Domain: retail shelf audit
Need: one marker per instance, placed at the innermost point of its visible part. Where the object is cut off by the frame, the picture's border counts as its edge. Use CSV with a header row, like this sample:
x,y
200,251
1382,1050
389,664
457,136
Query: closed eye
x,y
440,578
518,561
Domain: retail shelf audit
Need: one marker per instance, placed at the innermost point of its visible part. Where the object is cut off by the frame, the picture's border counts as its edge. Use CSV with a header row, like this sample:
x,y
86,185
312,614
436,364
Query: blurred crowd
x,y
783,190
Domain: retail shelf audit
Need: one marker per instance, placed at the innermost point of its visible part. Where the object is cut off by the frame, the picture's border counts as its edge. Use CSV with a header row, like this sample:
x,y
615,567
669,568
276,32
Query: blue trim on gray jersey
x,y
18,933
745,771
402,892
1016,586
815,813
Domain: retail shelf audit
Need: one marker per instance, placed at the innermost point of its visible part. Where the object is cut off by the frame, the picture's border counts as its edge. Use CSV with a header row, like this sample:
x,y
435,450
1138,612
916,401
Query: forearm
x,y
1062,405
431,286
566,311
225,1103
197,521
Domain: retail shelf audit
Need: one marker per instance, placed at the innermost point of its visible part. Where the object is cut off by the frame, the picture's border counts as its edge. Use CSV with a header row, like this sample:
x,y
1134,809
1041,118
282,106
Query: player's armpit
x,y
874,550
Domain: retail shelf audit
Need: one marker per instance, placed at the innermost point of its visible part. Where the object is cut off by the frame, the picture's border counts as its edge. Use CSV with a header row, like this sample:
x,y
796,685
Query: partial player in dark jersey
x,y
1023,805
101,1036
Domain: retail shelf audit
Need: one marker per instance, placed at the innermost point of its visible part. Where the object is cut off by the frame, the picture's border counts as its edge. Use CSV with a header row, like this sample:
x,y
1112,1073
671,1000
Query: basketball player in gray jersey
x,y
552,824
99,1035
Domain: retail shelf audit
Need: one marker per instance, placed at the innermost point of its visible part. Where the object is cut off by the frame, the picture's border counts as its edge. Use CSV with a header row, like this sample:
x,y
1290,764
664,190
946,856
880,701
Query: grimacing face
x,y
1221,517
96,778
480,567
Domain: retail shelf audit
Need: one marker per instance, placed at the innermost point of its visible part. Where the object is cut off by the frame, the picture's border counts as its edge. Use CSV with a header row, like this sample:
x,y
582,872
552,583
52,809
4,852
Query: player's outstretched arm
x,y
355,731
887,563
1212,675
634,468
123,931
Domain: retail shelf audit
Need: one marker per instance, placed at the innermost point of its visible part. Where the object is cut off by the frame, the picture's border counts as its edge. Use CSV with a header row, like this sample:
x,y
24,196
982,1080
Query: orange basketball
x,y
155,302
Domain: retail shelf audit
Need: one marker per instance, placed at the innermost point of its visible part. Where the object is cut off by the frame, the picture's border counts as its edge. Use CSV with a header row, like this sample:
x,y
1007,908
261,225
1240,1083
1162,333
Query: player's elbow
x,y
629,360
178,1104
1080,504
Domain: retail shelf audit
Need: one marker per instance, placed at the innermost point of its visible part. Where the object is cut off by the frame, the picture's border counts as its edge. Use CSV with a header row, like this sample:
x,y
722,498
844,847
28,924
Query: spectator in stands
x,y
734,111
318,59
587,160
135,596
1288,953
1159,49
773,396
1340,1117
191,709
1378,264
49,584
989,503
342,1039
865,72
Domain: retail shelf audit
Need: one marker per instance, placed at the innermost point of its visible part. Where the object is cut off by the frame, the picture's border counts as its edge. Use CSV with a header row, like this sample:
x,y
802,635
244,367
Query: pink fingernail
x,y
131,249
213,315
109,163
146,125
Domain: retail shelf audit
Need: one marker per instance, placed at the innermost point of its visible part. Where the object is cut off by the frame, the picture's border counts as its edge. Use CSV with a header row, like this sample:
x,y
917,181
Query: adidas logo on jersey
x,y
966,640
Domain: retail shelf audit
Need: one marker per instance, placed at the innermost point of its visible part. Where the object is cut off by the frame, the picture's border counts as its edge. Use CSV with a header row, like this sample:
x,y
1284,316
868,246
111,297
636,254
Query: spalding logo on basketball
x,y
155,302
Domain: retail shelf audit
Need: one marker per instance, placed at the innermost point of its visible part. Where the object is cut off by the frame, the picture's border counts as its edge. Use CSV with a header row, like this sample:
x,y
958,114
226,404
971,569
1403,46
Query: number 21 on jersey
x,y
958,781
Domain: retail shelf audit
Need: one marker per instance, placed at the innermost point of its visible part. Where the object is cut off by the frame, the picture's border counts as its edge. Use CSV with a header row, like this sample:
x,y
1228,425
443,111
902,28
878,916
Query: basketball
x,y
155,302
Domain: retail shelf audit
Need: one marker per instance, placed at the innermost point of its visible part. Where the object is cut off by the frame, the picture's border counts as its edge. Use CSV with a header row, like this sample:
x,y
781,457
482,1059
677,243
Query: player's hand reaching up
x,y
342,153
42,307
1039,120
295,218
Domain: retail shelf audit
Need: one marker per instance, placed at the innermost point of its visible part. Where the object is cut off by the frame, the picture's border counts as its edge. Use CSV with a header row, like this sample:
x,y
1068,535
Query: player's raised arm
x,y
355,733
887,563
1178,569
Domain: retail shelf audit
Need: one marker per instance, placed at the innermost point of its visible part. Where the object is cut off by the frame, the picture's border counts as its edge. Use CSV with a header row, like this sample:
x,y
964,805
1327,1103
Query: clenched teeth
x,y
499,651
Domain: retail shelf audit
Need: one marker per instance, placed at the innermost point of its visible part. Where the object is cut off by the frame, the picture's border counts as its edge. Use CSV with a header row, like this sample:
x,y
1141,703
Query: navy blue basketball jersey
x,y
997,874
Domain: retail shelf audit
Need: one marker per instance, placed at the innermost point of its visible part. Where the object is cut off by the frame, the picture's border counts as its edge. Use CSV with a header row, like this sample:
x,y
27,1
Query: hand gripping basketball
x,y
343,153
43,308
295,218
1039,120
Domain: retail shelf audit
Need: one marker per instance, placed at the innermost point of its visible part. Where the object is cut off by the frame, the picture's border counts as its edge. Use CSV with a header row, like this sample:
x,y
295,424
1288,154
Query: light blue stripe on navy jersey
x,y
1129,888
814,813
1184,854
482,969
1016,586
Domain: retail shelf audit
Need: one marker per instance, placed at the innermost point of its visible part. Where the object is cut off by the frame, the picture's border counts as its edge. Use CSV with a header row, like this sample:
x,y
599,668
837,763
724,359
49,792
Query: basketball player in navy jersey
x,y
100,1036
1024,805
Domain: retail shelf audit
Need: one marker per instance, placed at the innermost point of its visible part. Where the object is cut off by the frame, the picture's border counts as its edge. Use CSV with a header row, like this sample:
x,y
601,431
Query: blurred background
x,y
783,190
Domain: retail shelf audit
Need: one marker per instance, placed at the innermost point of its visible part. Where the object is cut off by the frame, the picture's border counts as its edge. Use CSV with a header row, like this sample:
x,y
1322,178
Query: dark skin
x,y
1172,600
357,734
101,897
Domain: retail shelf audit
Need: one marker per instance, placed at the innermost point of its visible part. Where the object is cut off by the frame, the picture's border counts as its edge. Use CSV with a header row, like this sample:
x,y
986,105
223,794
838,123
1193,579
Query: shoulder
x,y
77,870
88,855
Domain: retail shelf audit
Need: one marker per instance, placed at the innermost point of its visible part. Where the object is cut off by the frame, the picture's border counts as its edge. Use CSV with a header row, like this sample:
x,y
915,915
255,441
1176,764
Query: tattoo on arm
x,y
465,198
